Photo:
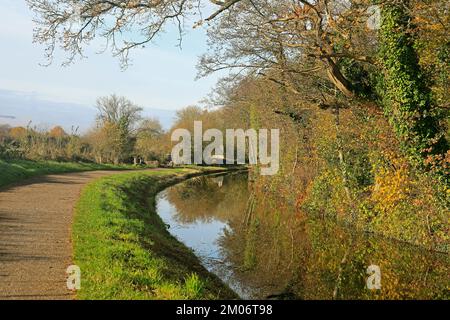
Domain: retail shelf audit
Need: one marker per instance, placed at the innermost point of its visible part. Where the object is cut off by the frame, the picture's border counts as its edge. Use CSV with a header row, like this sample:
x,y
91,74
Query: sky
x,y
161,78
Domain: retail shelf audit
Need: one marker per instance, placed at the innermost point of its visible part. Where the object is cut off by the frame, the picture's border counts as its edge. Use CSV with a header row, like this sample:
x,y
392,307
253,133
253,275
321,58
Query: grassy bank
x,y
18,170
124,249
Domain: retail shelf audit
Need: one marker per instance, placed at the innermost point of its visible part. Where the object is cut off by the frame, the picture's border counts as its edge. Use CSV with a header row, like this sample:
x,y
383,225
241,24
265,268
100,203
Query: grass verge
x,y
124,249
18,170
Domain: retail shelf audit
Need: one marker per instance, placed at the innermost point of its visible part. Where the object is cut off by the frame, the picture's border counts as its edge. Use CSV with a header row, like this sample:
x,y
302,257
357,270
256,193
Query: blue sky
x,y
161,77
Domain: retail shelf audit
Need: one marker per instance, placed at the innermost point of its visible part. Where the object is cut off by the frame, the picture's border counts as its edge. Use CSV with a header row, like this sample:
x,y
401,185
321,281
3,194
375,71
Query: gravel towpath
x,y
35,235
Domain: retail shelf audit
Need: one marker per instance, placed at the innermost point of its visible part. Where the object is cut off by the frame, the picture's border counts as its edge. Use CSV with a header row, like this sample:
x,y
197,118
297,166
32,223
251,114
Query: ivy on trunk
x,y
406,97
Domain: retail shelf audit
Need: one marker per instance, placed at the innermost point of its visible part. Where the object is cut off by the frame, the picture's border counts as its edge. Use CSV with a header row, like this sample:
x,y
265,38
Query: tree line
x,y
363,110
120,135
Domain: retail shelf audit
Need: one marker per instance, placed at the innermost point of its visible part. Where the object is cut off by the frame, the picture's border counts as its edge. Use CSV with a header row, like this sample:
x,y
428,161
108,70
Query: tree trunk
x,y
335,75
342,162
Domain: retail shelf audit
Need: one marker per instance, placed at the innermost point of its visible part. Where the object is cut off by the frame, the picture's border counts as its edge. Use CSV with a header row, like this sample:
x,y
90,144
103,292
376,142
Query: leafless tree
x,y
119,111
289,38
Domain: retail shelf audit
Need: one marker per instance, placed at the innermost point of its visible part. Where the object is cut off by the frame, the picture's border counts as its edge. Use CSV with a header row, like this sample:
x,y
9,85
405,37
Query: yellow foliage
x,y
18,132
392,185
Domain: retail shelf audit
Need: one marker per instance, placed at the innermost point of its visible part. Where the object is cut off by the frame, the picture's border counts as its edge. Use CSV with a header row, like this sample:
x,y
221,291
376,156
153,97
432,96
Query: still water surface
x,y
264,249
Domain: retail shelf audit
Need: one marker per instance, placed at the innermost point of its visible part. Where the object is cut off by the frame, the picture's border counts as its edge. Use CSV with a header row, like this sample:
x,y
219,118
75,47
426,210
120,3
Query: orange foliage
x,y
57,132
18,132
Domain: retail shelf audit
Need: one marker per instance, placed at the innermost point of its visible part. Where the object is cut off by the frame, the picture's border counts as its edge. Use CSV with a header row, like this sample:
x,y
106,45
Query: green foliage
x,y
388,195
322,190
10,150
194,286
361,76
406,95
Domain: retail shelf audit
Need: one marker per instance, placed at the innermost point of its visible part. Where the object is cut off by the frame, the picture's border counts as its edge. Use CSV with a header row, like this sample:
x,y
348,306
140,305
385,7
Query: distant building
x,y
219,158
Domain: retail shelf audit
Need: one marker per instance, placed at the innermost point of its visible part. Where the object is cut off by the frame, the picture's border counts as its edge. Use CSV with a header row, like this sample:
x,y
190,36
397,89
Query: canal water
x,y
274,252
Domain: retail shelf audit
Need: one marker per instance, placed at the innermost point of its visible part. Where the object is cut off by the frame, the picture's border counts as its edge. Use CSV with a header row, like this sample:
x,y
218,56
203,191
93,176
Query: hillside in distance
x,y
19,108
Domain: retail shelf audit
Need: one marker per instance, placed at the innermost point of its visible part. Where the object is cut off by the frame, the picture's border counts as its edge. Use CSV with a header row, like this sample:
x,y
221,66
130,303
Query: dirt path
x,y
35,235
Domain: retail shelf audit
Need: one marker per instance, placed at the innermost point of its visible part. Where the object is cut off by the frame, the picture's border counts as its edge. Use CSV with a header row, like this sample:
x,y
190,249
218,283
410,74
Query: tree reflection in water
x,y
265,248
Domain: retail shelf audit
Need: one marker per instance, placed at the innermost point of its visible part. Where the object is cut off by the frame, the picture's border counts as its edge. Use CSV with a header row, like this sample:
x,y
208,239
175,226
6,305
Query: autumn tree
x,y
151,141
185,117
431,23
57,132
117,118
407,95
270,32
322,50
18,132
